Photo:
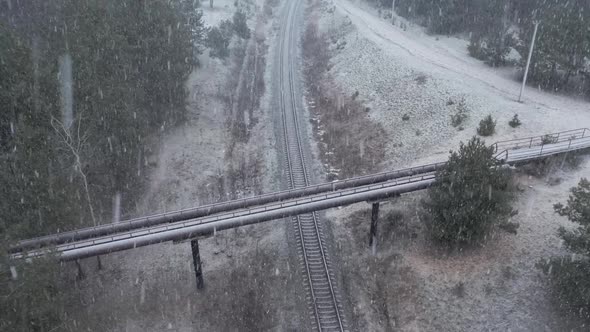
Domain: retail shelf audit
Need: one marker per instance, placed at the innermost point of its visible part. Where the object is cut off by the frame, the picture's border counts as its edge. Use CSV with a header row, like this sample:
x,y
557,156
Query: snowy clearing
x,y
397,72
413,83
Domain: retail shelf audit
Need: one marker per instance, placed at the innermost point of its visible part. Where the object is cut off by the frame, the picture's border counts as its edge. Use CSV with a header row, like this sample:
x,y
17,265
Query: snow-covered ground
x,y
398,72
409,285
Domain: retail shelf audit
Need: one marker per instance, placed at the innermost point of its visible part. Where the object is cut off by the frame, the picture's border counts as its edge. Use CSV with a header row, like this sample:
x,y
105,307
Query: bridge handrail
x,y
528,142
545,150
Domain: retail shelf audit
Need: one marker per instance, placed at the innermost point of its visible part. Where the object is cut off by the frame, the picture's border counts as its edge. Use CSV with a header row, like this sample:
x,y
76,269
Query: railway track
x,y
323,300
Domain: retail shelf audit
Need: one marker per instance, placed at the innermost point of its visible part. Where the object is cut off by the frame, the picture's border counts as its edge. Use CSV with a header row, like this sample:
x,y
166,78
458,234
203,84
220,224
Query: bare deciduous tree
x,y
74,145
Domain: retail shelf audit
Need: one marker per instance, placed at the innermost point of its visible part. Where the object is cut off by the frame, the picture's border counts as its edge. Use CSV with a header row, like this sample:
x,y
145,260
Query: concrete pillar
x,y
81,274
373,232
197,264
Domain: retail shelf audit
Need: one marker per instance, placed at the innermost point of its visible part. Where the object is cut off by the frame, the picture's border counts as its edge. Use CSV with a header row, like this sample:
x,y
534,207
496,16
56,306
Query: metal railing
x,y
529,142
542,151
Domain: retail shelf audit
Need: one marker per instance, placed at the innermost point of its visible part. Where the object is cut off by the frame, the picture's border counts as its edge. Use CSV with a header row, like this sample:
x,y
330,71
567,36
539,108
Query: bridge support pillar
x,y
373,231
81,274
197,264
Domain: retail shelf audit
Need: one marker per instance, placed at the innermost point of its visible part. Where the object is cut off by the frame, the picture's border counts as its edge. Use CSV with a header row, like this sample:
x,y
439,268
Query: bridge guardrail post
x,y
531,144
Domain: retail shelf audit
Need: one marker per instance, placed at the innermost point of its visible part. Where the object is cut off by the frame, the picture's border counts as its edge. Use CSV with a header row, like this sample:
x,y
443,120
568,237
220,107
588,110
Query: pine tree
x,y
471,195
562,41
570,277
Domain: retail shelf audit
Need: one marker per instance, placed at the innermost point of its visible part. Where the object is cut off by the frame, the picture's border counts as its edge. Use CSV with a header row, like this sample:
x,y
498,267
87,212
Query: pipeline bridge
x,y
205,220
303,200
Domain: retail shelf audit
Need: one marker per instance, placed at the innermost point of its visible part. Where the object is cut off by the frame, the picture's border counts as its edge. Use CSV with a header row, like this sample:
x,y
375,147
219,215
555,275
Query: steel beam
x,y
202,211
188,232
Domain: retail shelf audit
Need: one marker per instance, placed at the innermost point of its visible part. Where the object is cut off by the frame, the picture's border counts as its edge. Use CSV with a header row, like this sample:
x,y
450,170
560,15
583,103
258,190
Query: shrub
x,y
487,126
570,283
577,210
475,49
421,79
459,289
405,117
471,195
571,278
549,139
460,114
34,300
492,50
515,122
240,25
218,40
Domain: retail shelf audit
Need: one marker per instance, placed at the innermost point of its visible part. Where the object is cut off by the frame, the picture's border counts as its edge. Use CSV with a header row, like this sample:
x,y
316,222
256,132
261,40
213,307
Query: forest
x,y
84,87
561,58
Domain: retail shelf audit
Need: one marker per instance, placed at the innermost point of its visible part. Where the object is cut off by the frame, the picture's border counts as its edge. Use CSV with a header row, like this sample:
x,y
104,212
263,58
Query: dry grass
x,y
244,162
350,142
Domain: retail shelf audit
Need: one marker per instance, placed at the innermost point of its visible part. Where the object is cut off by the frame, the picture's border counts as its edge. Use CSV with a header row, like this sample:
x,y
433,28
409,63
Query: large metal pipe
x,y
239,213
207,228
202,211
519,156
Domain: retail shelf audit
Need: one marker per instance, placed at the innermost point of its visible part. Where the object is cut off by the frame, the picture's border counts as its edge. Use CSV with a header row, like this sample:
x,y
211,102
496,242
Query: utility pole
x,y
392,11
528,62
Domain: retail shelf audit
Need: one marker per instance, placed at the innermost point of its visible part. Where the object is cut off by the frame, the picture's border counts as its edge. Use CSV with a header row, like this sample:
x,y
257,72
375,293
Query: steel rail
x,y
310,236
289,162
